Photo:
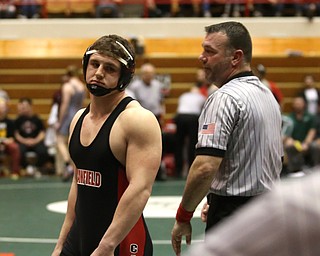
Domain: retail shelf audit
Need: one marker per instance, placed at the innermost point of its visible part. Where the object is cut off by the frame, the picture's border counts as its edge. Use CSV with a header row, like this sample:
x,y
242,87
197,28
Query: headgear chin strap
x,y
99,91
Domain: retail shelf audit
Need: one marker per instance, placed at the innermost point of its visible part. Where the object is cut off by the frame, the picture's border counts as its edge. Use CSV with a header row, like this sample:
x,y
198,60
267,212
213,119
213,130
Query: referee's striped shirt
x,y
241,122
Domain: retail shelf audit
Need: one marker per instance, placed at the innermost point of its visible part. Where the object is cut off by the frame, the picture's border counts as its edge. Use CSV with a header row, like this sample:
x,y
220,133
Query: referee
x,y
239,149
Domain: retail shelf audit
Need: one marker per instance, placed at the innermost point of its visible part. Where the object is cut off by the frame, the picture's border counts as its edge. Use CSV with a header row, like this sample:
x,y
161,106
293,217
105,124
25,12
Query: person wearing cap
x,y
115,145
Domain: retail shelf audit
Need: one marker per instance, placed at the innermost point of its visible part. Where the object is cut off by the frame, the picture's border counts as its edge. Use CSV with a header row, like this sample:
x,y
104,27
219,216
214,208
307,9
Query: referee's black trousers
x,y
222,207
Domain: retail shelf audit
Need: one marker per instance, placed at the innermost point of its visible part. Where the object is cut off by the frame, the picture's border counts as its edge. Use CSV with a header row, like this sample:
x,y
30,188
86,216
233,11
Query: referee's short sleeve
x,y
210,152
216,123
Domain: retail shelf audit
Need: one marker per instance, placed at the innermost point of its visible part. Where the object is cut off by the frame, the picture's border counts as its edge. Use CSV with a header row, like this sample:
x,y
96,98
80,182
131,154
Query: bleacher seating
x,y
82,8
55,9
33,67
38,78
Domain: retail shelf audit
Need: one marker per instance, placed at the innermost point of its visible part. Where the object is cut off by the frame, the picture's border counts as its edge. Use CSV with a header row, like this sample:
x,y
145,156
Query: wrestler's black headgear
x,y
115,47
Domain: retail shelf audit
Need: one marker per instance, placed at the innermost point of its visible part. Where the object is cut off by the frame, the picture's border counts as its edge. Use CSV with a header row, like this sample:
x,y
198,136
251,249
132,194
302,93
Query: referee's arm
x,y
198,183
199,180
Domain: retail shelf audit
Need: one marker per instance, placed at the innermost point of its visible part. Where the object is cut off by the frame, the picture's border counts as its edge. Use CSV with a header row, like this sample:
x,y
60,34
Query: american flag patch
x,y
207,128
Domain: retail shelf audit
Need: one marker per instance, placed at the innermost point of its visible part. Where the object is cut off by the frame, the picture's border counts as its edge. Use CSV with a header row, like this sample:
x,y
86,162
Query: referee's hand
x,y
204,212
179,230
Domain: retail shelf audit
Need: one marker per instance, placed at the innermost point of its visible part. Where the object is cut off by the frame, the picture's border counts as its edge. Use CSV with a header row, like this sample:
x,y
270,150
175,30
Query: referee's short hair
x,y
238,35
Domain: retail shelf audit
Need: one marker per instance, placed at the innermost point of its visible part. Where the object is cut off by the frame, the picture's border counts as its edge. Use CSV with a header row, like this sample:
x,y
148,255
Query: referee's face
x,y
215,58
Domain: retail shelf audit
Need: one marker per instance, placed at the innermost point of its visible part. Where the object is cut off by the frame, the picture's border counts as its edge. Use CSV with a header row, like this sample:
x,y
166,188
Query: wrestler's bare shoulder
x,y
137,115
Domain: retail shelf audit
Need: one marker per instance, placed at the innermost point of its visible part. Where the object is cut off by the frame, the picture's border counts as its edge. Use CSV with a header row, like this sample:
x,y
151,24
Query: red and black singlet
x,y
101,180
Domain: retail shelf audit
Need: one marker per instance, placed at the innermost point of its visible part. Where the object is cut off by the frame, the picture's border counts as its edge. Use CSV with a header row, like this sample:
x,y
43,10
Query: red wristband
x,y
183,215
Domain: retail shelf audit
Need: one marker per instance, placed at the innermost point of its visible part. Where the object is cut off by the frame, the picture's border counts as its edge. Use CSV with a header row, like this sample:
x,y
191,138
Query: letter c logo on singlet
x,y
133,248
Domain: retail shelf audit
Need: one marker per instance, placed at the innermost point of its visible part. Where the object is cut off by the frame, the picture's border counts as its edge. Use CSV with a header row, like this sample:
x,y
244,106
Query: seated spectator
x,y
30,134
283,8
311,94
183,9
108,8
8,146
232,8
7,9
29,8
154,10
297,146
311,9
176,8
265,9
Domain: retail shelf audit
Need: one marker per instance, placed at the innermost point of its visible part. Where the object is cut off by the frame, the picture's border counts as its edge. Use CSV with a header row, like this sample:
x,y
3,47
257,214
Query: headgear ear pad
x,y
127,73
85,61
127,64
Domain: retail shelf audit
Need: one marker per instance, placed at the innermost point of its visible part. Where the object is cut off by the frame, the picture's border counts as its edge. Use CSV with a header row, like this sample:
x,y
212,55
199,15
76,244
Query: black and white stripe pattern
x,y
247,127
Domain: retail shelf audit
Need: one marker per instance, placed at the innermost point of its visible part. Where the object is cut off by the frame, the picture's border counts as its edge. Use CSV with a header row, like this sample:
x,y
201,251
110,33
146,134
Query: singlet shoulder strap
x,y
119,108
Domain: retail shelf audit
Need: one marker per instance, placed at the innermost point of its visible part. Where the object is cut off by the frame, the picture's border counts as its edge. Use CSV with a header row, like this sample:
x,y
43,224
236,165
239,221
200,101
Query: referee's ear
x,y
237,58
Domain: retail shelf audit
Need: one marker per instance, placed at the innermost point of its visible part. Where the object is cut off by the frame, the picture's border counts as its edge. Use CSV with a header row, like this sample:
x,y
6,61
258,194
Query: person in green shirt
x,y
297,146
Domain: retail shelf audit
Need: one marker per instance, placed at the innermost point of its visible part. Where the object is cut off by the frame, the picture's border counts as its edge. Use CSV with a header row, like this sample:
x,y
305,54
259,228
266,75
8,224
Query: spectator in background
x,y
203,85
149,91
189,108
201,82
232,8
7,9
30,134
29,9
311,94
265,8
281,6
181,9
156,11
297,146
73,93
311,9
108,8
8,146
261,72
51,132
4,95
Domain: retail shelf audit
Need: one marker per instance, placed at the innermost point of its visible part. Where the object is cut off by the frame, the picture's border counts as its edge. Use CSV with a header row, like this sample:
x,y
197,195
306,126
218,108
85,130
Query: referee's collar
x,y
242,74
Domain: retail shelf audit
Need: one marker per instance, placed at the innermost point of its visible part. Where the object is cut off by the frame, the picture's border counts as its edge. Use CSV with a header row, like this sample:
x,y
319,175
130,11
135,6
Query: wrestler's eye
x,y
94,64
111,68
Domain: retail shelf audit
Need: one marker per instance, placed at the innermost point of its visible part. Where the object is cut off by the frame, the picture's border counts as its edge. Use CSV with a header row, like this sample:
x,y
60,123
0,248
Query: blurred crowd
x,y
300,126
156,8
29,146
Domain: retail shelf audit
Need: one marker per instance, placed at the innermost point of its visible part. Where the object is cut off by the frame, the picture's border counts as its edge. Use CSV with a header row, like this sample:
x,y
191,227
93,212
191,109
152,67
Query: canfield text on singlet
x,y
89,178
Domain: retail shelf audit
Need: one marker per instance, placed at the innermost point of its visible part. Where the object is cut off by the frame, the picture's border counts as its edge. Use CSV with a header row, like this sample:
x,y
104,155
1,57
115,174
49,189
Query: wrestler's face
x,y
103,70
